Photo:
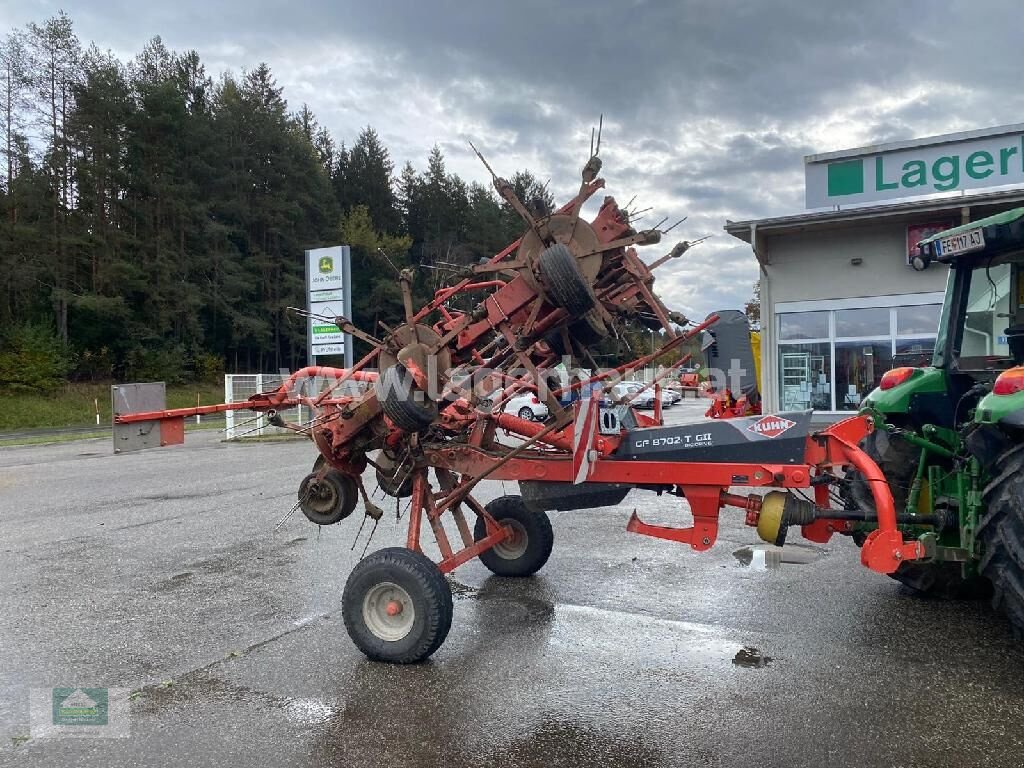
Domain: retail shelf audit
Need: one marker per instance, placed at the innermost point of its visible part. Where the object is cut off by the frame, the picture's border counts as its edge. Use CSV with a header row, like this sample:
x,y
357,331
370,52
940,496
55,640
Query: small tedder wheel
x,y
397,606
328,500
394,478
397,393
526,414
399,487
530,544
564,284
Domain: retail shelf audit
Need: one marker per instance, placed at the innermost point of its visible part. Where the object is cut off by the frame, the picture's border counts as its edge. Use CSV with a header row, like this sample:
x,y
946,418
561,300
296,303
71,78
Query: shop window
x,y
803,325
805,377
859,368
862,322
914,321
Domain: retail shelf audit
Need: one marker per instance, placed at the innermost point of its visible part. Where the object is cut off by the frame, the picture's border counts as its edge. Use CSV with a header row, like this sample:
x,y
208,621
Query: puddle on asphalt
x,y
748,656
761,557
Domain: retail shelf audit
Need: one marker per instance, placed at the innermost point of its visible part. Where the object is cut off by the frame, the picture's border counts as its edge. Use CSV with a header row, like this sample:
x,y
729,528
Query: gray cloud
x,y
709,104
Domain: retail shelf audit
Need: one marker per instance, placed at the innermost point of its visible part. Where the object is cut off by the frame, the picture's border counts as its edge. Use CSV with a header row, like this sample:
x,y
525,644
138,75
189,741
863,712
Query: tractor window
x,y
987,315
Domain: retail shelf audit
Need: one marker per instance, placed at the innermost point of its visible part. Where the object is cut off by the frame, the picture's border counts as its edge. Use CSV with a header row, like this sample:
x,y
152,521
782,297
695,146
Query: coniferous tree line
x,y
153,216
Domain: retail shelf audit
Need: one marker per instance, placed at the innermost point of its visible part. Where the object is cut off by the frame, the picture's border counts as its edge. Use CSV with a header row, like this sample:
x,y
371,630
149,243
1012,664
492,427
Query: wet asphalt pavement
x,y
162,572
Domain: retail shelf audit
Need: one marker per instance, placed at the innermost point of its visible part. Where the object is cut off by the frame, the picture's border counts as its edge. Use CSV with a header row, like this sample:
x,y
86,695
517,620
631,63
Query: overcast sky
x,y
709,105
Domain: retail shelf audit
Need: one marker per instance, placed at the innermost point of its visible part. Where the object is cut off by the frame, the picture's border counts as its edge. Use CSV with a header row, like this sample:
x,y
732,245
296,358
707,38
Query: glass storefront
x,y
830,360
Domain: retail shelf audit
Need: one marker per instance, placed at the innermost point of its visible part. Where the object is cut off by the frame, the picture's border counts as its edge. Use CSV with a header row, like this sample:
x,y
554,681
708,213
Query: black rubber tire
x,y
534,526
1001,532
563,281
400,488
342,487
526,414
898,461
430,595
397,393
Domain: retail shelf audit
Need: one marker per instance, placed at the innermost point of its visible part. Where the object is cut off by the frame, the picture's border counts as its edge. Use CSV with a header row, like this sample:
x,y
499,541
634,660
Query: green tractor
x,y
950,437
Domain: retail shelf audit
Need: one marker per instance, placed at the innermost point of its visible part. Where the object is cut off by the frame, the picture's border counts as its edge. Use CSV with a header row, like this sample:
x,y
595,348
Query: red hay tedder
x,y
435,401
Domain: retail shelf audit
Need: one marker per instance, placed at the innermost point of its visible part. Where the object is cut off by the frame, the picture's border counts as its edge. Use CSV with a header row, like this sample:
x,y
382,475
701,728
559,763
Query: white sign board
x,y
329,295
960,161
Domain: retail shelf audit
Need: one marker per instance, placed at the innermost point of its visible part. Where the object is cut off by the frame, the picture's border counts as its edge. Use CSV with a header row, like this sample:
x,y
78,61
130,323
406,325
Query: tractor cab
x,y
981,330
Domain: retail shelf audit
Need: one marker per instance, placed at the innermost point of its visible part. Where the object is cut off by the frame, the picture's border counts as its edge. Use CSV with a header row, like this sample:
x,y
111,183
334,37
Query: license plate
x,y
963,242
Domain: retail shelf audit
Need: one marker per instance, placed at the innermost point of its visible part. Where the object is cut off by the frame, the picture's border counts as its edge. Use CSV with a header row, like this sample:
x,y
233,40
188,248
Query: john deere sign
x,y
328,295
958,161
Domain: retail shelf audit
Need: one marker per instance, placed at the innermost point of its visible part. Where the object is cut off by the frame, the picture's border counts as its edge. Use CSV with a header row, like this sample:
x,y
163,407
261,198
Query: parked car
x,y
625,389
527,406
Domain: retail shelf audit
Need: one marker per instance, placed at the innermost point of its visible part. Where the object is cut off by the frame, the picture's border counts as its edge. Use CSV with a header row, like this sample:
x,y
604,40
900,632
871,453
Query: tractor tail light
x,y
1009,382
534,400
895,377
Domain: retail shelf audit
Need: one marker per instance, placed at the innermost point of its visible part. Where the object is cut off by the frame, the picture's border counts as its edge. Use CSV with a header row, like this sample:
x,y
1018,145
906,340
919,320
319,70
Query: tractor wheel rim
x,y
388,611
322,498
515,546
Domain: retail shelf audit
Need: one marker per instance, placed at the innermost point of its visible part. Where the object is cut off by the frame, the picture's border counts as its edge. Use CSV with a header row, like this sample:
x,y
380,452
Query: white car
x,y
625,389
527,406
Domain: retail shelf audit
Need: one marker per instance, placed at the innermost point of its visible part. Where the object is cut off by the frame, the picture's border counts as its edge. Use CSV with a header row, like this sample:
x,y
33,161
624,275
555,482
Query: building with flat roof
x,y
841,302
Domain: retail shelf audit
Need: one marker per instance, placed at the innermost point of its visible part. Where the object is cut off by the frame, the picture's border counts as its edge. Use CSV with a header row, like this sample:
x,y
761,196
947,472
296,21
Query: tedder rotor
x,y
425,409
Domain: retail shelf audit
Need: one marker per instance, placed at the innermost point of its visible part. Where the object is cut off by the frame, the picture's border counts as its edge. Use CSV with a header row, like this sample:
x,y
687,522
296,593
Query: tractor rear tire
x,y
528,550
1001,532
397,606
397,393
898,460
564,284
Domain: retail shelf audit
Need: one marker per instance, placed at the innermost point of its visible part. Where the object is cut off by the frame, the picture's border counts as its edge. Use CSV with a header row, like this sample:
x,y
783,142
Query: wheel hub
x,y
321,497
514,546
388,611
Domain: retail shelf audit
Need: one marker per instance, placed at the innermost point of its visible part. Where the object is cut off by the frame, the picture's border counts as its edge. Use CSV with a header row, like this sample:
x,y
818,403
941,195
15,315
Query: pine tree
x,y
368,180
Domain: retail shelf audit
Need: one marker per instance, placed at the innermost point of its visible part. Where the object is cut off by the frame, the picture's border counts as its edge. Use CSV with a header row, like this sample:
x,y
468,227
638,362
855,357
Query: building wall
x,y
816,265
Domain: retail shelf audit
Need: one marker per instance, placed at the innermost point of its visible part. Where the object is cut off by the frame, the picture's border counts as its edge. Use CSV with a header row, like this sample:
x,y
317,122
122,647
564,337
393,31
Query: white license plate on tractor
x,y
964,242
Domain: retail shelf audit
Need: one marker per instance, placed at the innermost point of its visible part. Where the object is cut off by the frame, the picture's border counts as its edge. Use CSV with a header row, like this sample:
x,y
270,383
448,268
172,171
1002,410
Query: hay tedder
x,y
424,410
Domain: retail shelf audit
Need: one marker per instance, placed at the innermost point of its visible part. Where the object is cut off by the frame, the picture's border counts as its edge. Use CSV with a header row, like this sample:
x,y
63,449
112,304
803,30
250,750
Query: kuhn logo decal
x,y
770,426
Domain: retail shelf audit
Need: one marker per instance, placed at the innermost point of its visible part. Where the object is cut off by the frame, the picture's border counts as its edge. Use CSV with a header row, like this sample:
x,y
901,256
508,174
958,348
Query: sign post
x,y
328,294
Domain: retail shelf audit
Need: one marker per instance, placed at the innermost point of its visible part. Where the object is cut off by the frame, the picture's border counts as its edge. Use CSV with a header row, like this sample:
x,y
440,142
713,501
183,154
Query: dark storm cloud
x,y
709,104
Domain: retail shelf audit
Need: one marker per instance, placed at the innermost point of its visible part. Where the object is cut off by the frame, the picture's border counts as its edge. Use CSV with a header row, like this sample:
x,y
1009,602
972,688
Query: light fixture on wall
x,y
856,261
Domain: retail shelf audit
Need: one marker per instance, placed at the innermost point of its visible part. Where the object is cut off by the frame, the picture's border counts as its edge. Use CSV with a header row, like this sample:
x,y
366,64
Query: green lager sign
x,y
960,161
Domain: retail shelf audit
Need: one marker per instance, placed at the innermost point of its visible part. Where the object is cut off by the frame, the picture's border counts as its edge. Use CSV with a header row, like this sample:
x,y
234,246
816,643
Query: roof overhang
x,y
752,229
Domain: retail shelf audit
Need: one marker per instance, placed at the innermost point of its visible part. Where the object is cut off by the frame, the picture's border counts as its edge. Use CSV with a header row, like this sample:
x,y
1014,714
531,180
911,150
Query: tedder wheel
x,y
1001,532
397,606
397,393
526,414
393,478
330,499
898,460
532,538
564,283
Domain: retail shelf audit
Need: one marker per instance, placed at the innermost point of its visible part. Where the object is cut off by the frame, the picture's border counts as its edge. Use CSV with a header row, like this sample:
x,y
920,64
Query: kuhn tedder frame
x,y
436,402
